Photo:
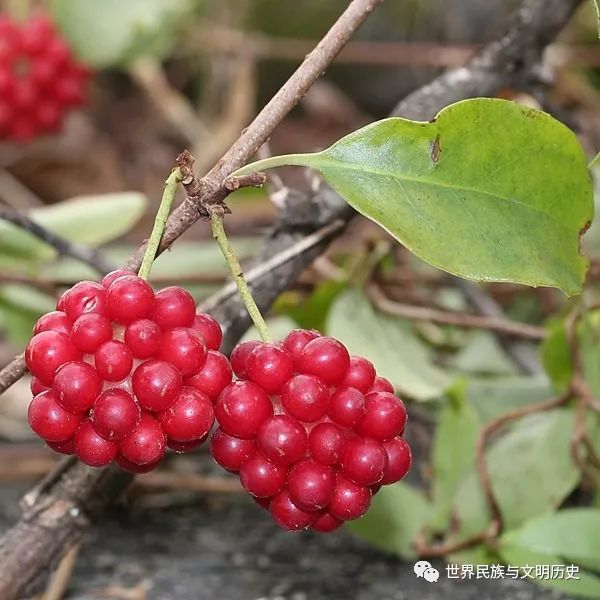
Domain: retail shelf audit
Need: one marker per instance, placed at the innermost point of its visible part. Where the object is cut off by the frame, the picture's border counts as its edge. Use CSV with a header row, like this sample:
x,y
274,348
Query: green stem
x,y
285,160
218,231
162,215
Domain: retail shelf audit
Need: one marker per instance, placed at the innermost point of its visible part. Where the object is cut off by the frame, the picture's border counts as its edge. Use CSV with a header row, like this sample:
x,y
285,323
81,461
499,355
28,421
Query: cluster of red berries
x,y
121,373
312,432
39,78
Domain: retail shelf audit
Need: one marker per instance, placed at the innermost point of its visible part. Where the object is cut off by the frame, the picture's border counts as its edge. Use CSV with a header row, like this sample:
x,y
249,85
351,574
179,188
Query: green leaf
x,y
483,354
532,473
556,355
596,4
489,190
107,33
589,346
279,327
89,220
389,344
398,512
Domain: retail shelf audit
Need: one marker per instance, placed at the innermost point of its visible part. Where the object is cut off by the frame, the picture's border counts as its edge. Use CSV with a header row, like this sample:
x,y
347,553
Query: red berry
x,y
183,447
325,358
53,321
364,461
84,297
239,357
189,418
287,515
229,451
242,408
214,376
130,298
350,501
174,307
113,360
146,444
113,275
282,440
209,329
385,416
326,523
132,467
305,397
311,485
66,447
360,375
77,386
297,339
143,337
269,367
381,384
115,414
50,420
36,386
46,352
260,477
399,460
347,407
326,443
92,449
156,384
89,331
183,349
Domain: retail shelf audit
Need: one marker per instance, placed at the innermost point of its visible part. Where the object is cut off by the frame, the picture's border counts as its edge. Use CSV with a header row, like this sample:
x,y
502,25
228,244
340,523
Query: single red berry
x,y
91,330
113,360
269,367
360,375
364,461
399,460
174,307
297,339
282,440
146,444
113,275
143,337
46,352
305,397
209,329
311,485
347,407
66,447
50,420
242,408
326,443
325,358
35,35
183,349
214,376
326,523
350,501
385,416
381,384
92,449
130,298
260,477
115,414
183,447
229,451
53,321
77,386
37,387
84,297
287,515
239,356
189,418
156,384
132,467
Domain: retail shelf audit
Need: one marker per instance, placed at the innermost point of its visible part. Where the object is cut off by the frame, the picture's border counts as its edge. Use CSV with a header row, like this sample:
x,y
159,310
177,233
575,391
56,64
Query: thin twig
x,y
62,576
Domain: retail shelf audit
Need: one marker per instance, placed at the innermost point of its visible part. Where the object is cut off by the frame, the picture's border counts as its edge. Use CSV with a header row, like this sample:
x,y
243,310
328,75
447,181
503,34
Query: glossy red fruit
x,y
325,358
384,418
326,523
399,460
260,477
156,384
183,349
296,341
350,501
239,356
189,418
360,375
183,447
305,397
347,407
326,443
66,447
242,408
53,321
287,515
282,440
142,338
130,298
269,367
209,329
173,307
381,384
36,386
50,420
146,444
89,331
311,485
84,297
214,376
113,275
46,352
77,386
364,461
229,451
115,414
92,449
113,360
132,467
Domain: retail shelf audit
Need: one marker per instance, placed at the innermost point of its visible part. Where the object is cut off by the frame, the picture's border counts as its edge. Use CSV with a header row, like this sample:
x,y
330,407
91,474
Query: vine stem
x,y
218,231
160,221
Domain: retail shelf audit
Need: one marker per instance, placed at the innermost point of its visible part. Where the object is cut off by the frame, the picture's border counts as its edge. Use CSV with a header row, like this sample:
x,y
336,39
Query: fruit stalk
x,y
160,221
218,231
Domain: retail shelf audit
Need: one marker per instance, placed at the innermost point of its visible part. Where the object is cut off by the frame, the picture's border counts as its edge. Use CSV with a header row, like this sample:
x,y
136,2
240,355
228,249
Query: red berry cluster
x,y
39,79
313,432
120,373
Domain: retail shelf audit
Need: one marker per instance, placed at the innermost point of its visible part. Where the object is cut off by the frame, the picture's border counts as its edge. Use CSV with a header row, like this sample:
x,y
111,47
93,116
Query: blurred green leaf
x,y
398,512
589,347
279,327
483,354
556,356
106,33
20,308
389,343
